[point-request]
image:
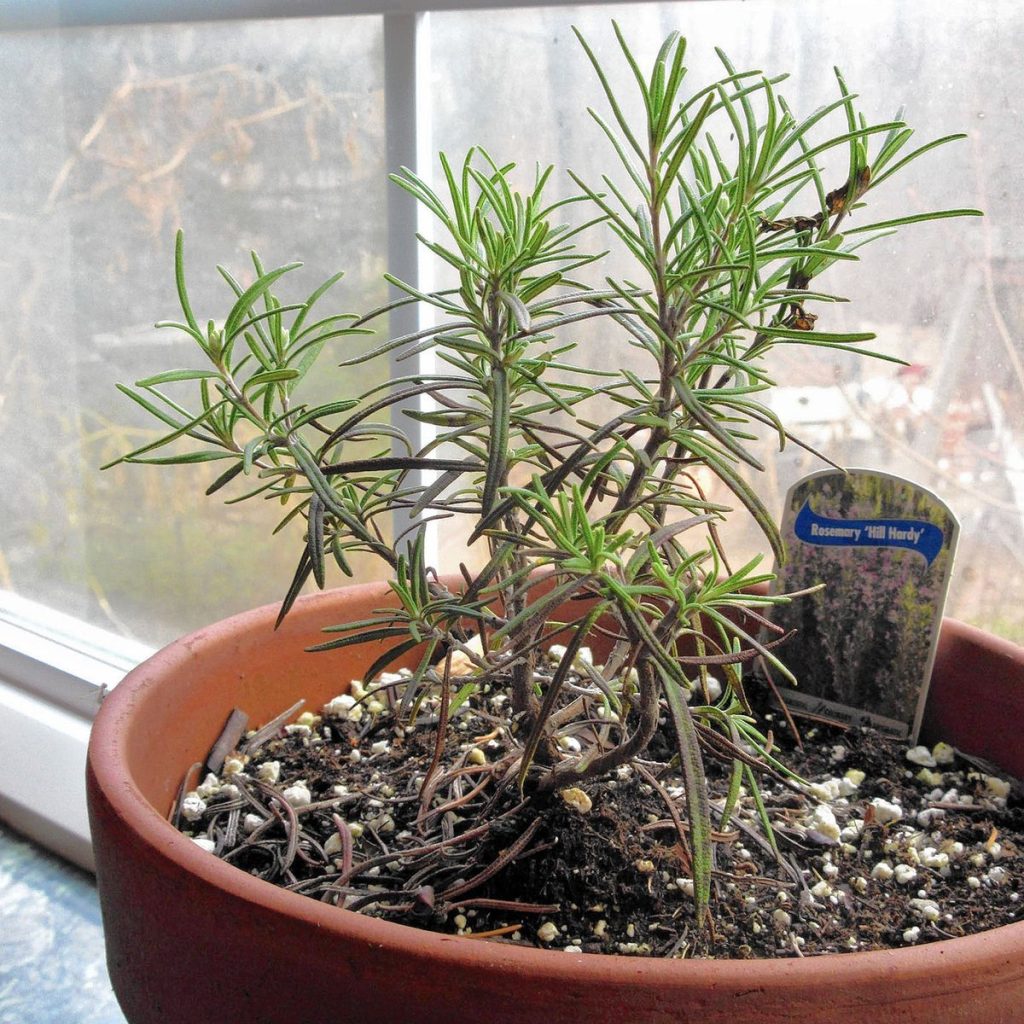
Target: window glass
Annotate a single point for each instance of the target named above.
(945, 296)
(264, 135)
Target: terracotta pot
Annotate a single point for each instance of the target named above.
(190, 938)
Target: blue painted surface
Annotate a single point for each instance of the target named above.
(52, 966)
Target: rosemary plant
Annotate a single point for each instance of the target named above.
(730, 241)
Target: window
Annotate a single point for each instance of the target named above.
(252, 135)
(127, 119)
(945, 296)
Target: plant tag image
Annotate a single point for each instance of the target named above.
(864, 644)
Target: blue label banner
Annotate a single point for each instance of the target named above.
(917, 535)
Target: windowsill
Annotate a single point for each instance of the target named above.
(53, 672)
(54, 959)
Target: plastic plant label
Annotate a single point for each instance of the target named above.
(883, 548)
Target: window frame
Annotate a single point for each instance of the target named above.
(54, 670)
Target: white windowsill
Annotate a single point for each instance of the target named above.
(53, 671)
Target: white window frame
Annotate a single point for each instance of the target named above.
(54, 668)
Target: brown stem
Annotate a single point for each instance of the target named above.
(440, 737)
(345, 835)
(459, 801)
(506, 857)
(510, 906)
(568, 772)
(684, 839)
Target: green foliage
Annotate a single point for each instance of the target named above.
(729, 240)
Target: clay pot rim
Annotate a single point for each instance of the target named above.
(106, 763)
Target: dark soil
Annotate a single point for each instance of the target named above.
(615, 878)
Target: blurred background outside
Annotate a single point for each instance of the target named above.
(270, 136)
